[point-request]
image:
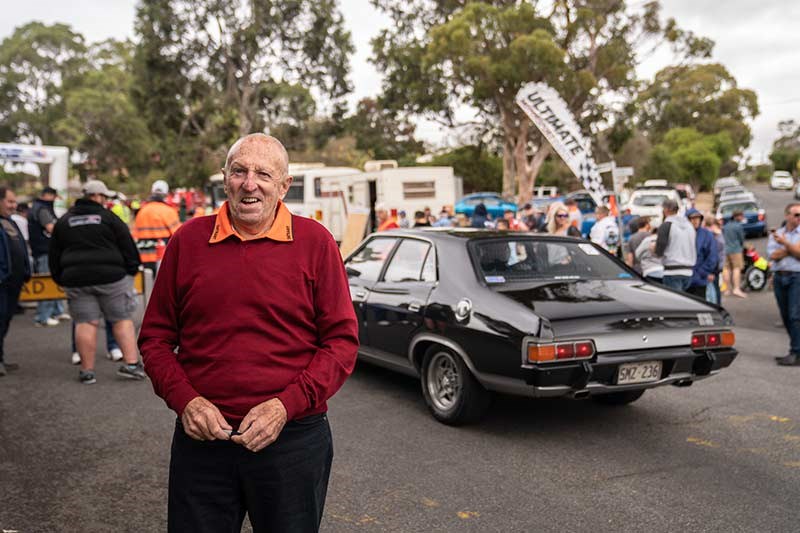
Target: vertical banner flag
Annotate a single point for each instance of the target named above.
(548, 111)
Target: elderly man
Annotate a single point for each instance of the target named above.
(784, 249)
(93, 256)
(249, 330)
(384, 220)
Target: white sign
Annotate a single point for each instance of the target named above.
(549, 112)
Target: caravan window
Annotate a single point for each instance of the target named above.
(317, 187)
(296, 191)
(419, 189)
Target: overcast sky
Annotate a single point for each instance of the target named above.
(757, 41)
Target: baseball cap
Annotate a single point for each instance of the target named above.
(97, 187)
(159, 187)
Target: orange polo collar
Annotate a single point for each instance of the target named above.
(281, 229)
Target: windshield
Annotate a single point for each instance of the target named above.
(504, 260)
(649, 200)
(746, 207)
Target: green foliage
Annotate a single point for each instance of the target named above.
(687, 156)
(786, 149)
(380, 133)
(704, 97)
(480, 169)
(36, 61)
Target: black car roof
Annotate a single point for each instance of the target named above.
(467, 234)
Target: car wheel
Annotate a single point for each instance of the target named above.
(756, 278)
(619, 398)
(452, 393)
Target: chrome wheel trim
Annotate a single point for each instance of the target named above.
(443, 381)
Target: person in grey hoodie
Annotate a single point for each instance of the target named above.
(675, 244)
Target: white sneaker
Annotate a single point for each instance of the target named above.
(63, 317)
(51, 322)
(115, 354)
(76, 358)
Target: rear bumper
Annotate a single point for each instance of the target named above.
(681, 367)
(754, 228)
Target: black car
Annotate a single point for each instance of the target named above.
(470, 312)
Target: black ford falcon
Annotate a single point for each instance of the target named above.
(471, 312)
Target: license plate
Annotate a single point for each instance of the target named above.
(639, 372)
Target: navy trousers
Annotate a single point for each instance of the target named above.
(787, 294)
(212, 484)
(9, 296)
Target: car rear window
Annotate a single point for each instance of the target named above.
(728, 209)
(504, 260)
(649, 200)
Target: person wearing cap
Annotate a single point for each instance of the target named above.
(93, 256)
(705, 267)
(41, 219)
(402, 220)
(385, 221)
(155, 223)
(249, 331)
(15, 269)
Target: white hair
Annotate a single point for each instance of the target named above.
(234, 149)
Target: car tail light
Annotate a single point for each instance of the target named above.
(713, 339)
(761, 215)
(560, 351)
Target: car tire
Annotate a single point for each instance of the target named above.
(756, 279)
(619, 398)
(451, 392)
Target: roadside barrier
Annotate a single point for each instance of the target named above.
(42, 287)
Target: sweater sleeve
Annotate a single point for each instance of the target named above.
(662, 240)
(338, 337)
(706, 254)
(158, 337)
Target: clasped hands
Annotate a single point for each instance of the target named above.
(259, 428)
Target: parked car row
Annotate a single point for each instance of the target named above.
(731, 196)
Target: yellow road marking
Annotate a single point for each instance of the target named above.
(427, 502)
(466, 515)
(702, 442)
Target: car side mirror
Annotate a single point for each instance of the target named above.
(352, 272)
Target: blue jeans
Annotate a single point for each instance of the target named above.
(111, 342)
(787, 294)
(9, 296)
(47, 308)
(678, 283)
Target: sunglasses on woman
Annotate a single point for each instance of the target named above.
(562, 215)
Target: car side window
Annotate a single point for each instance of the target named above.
(367, 263)
(429, 268)
(407, 262)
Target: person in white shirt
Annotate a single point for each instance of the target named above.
(605, 231)
(21, 219)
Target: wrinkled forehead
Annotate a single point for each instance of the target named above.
(259, 152)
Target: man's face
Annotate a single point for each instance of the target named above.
(8, 204)
(793, 218)
(696, 221)
(599, 215)
(255, 181)
(382, 215)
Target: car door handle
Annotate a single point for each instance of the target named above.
(414, 307)
(361, 294)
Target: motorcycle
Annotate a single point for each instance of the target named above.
(755, 273)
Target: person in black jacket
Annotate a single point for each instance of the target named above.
(41, 219)
(94, 257)
(15, 269)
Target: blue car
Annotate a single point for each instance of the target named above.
(755, 224)
(495, 205)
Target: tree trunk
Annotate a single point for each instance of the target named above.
(509, 174)
(527, 177)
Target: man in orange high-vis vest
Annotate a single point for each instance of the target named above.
(155, 223)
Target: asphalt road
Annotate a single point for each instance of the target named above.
(722, 455)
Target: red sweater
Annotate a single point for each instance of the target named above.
(252, 320)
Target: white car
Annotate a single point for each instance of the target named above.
(797, 191)
(781, 180)
(646, 202)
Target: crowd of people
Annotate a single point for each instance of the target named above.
(92, 252)
(693, 252)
